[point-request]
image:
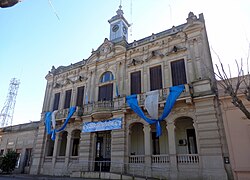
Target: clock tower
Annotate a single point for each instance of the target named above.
(118, 26)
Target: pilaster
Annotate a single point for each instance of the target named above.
(55, 150)
(210, 146)
(38, 151)
(118, 146)
(67, 153)
(86, 148)
(147, 144)
(172, 149)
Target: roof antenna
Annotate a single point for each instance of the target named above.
(131, 17)
(51, 5)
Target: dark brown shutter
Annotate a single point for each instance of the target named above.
(56, 101)
(178, 72)
(105, 92)
(155, 78)
(80, 95)
(67, 99)
(136, 82)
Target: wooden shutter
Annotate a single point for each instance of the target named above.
(105, 92)
(67, 99)
(80, 95)
(155, 78)
(178, 72)
(135, 82)
(56, 101)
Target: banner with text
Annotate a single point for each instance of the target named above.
(111, 124)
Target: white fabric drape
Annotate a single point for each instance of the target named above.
(53, 119)
(151, 103)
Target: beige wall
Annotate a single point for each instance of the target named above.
(237, 128)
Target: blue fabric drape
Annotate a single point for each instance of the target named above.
(175, 92)
(48, 123)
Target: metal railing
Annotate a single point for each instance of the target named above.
(136, 166)
(130, 169)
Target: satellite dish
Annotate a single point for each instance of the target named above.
(8, 3)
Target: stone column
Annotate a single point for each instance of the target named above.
(172, 150)
(68, 146)
(147, 144)
(55, 150)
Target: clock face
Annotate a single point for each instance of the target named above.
(115, 28)
(124, 30)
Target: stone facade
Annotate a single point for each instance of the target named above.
(20, 138)
(193, 141)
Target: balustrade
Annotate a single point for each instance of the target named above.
(187, 158)
(137, 159)
(161, 158)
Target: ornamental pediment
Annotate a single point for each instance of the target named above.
(106, 48)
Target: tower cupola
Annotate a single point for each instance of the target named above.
(118, 26)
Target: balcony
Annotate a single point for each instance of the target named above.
(163, 94)
(105, 109)
(63, 113)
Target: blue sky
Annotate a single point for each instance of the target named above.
(33, 39)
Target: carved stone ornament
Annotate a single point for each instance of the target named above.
(156, 53)
(175, 49)
(106, 48)
(134, 62)
(106, 66)
(191, 18)
(67, 81)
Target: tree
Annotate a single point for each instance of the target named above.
(237, 86)
(8, 161)
(8, 3)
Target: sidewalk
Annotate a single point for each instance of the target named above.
(37, 177)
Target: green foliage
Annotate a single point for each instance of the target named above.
(8, 161)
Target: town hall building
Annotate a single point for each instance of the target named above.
(88, 124)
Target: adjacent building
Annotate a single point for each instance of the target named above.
(237, 129)
(20, 138)
(104, 128)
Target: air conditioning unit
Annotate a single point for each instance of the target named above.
(182, 142)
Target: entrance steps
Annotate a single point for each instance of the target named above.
(108, 175)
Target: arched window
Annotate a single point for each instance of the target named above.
(106, 90)
(107, 76)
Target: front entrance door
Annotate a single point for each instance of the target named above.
(192, 147)
(103, 151)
